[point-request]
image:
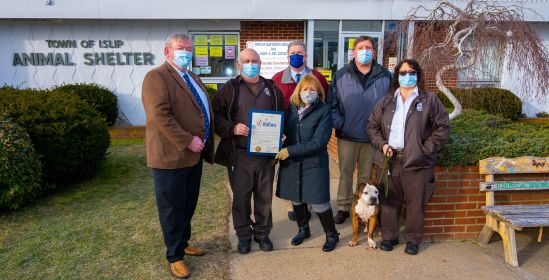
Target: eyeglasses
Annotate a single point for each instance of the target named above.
(410, 72)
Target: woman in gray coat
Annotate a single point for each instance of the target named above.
(304, 173)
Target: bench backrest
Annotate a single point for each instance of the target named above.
(520, 165)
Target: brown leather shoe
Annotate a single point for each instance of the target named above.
(193, 251)
(179, 269)
(341, 217)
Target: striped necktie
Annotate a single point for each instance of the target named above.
(297, 78)
(201, 105)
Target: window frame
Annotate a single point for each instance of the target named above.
(217, 79)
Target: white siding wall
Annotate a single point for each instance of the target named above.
(138, 36)
(530, 106)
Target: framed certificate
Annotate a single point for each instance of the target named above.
(265, 138)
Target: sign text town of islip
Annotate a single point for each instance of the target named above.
(90, 58)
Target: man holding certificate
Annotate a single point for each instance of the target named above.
(249, 118)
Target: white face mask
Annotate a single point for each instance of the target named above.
(308, 97)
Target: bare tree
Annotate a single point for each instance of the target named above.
(449, 38)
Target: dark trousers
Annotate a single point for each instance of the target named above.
(252, 176)
(416, 188)
(176, 196)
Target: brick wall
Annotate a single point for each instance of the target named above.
(271, 30)
(455, 212)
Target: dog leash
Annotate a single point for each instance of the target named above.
(385, 175)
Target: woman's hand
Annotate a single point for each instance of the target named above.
(387, 150)
(283, 154)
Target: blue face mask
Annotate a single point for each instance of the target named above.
(182, 58)
(250, 70)
(364, 56)
(296, 60)
(408, 80)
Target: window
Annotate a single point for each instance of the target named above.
(486, 72)
(325, 46)
(215, 54)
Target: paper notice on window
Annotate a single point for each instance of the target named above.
(201, 50)
(201, 60)
(392, 64)
(216, 40)
(231, 40)
(216, 51)
(350, 55)
(351, 43)
(201, 40)
(230, 52)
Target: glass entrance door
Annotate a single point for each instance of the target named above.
(346, 45)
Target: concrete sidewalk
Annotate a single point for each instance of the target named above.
(438, 260)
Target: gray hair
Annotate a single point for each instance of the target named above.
(178, 37)
(297, 43)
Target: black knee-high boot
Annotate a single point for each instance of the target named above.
(332, 236)
(302, 223)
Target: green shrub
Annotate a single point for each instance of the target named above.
(491, 100)
(70, 137)
(476, 135)
(20, 170)
(99, 97)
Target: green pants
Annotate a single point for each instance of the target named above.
(352, 154)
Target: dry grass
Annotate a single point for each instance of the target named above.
(107, 228)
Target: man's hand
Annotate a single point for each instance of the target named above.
(241, 129)
(196, 145)
(387, 150)
(283, 154)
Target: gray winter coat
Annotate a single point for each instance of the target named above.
(353, 103)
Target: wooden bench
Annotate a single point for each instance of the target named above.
(505, 219)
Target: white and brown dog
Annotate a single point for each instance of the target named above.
(364, 210)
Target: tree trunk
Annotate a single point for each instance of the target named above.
(447, 92)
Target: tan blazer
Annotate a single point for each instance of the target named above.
(173, 118)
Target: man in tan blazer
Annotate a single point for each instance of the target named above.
(178, 138)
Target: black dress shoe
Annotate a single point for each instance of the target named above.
(411, 249)
(291, 215)
(244, 246)
(265, 244)
(302, 234)
(387, 245)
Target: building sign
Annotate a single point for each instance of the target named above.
(392, 64)
(58, 57)
(273, 54)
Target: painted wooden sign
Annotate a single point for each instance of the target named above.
(514, 185)
(501, 165)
